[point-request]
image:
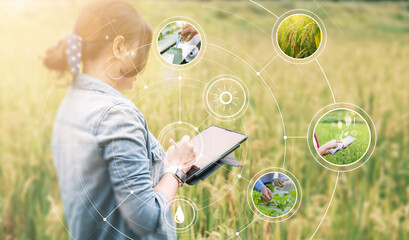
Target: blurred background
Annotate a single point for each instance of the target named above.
(366, 62)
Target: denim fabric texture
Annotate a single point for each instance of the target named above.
(108, 164)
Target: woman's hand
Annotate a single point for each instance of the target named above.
(182, 156)
(324, 149)
(267, 195)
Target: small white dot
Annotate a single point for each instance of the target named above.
(196, 129)
(180, 77)
(180, 122)
(73, 58)
(258, 73)
(237, 233)
(145, 87)
(285, 137)
(78, 54)
(74, 47)
(132, 192)
(239, 176)
(104, 219)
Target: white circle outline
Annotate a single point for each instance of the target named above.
(279, 218)
(229, 78)
(207, 97)
(278, 28)
(176, 22)
(160, 136)
(369, 143)
(296, 197)
(195, 214)
(374, 139)
(202, 38)
(317, 52)
(228, 94)
(163, 84)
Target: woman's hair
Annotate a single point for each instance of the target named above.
(98, 25)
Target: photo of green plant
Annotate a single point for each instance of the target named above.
(179, 42)
(338, 125)
(365, 60)
(283, 200)
(299, 36)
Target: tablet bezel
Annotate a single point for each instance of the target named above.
(227, 152)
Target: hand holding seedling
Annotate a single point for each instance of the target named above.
(324, 149)
(188, 32)
(181, 154)
(278, 184)
(267, 195)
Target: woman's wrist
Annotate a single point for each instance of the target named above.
(173, 178)
(177, 174)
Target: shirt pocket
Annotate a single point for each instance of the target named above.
(157, 152)
(158, 163)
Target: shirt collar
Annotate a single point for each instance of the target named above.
(85, 81)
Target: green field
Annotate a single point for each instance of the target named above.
(279, 205)
(365, 60)
(328, 129)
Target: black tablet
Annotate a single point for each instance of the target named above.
(212, 145)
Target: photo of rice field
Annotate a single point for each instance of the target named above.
(365, 60)
(299, 36)
(338, 125)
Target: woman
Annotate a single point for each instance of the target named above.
(116, 181)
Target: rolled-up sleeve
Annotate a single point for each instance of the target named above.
(258, 185)
(123, 139)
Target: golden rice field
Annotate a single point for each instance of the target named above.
(299, 36)
(366, 62)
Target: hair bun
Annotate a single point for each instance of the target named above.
(55, 57)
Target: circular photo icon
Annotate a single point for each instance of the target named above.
(184, 214)
(299, 36)
(179, 42)
(226, 97)
(274, 194)
(341, 137)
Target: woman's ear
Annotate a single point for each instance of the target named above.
(118, 47)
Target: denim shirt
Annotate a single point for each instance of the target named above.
(265, 179)
(108, 164)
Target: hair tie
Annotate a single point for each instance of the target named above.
(73, 52)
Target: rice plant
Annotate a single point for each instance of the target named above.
(299, 36)
(369, 203)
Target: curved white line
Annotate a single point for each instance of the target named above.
(264, 8)
(266, 86)
(243, 229)
(238, 16)
(329, 204)
(329, 85)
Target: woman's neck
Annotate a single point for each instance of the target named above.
(98, 71)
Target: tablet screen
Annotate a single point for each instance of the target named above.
(212, 143)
